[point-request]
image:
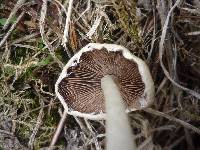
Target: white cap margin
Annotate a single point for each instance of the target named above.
(145, 101)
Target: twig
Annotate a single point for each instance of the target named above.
(87, 9)
(189, 140)
(154, 33)
(13, 12)
(161, 51)
(66, 28)
(39, 120)
(11, 29)
(25, 38)
(94, 27)
(46, 42)
(181, 122)
(193, 11)
(26, 46)
(35, 130)
(194, 33)
(80, 123)
(66, 31)
(175, 143)
(26, 113)
(97, 146)
(147, 144)
(58, 130)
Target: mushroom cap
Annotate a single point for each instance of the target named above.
(79, 85)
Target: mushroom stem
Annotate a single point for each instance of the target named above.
(118, 129)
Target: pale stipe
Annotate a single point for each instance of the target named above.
(118, 130)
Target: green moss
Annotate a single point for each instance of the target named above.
(45, 61)
(16, 34)
(23, 132)
(18, 55)
(28, 74)
(40, 44)
(52, 118)
(127, 19)
(8, 71)
(3, 21)
(191, 115)
(50, 122)
(62, 55)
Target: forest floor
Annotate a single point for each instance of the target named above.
(38, 37)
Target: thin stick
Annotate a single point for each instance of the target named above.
(94, 27)
(161, 52)
(58, 130)
(36, 128)
(181, 122)
(13, 12)
(11, 29)
(25, 38)
(66, 31)
(42, 32)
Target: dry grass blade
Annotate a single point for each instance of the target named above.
(25, 38)
(161, 52)
(42, 32)
(58, 129)
(35, 130)
(94, 27)
(11, 29)
(67, 23)
(181, 122)
(38, 37)
(14, 11)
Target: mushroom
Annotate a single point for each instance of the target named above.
(106, 79)
(79, 84)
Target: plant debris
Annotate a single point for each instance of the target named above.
(38, 37)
